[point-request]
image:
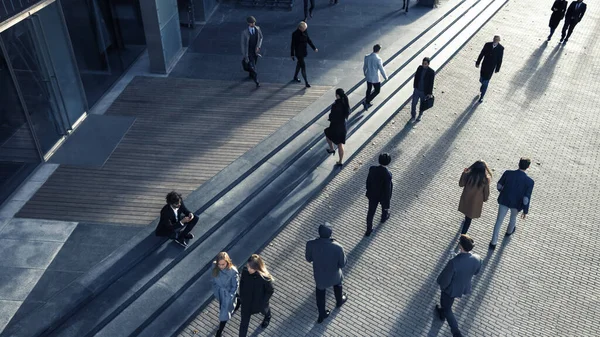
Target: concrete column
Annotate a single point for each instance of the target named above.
(163, 35)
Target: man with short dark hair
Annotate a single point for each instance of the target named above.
(574, 14)
(379, 190)
(491, 54)
(515, 189)
(422, 88)
(328, 258)
(251, 42)
(455, 280)
(372, 66)
(176, 221)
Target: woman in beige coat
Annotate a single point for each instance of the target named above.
(475, 181)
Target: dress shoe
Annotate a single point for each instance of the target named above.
(296, 79)
(368, 233)
(181, 241)
(344, 299)
(385, 217)
(266, 321)
(481, 100)
(565, 42)
(440, 312)
(561, 40)
(419, 118)
(257, 84)
(189, 236)
(492, 246)
(511, 233)
(366, 105)
(307, 85)
(322, 318)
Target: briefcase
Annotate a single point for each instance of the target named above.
(427, 103)
(245, 65)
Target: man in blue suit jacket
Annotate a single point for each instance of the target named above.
(515, 194)
(455, 280)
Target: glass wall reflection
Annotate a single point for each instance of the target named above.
(107, 36)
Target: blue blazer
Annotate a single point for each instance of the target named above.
(515, 190)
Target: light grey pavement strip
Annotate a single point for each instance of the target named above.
(541, 282)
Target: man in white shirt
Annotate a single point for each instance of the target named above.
(373, 65)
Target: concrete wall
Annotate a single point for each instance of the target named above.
(163, 35)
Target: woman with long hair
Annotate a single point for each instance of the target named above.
(336, 132)
(256, 289)
(475, 181)
(225, 285)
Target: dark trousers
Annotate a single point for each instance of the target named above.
(552, 29)
(185, 229)
(370, 96)
(385, 206)
(446, 303)
(466, 225)
(221, 328)
(484, 85)
(418, 96)
(337, 290)
(569, 25)
(405, 4)
(245, 320)
(306, 10)
(252, 61)
(300, 65)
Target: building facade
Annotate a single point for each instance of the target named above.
(57, 59)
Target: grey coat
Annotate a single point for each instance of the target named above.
(455, 279)
(246, 40)
(225, 287)
(328, 259)
(372, 67)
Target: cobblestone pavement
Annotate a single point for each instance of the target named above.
(544, 281)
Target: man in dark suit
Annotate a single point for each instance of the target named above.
(379, 190)
(308, 13)
(252, 38)
(423, 88)
(328, 258)
(300, 40)
(515, 189)
(176, 221)
(574, 15)
(455, 280)
(491, 54)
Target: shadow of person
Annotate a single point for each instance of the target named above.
(540, 80)
(523, 75)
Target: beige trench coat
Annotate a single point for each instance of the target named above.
(472, 198)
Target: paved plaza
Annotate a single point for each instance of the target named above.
(543, 281)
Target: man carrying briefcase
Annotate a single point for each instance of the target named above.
(423, 90)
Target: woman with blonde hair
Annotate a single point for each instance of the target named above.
(475, 181)
(256, 289)
(225, 285)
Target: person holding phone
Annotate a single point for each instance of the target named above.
(176, 221)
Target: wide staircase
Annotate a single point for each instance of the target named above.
(151, 287)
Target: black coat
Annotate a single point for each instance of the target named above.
(558, 12)
(379, 183)
(492, 59)
(167, 223)
(429, 79)
(299, 42)
(575, 15)
(255, 292)
(336, 132)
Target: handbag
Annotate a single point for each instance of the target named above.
(427, 103)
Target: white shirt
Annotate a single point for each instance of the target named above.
(251, 30)
(175, 211)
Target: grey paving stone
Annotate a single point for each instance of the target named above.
(17, 283)
(79, 257)
(50, 283)
(27, 254)
(10, 208)
(7, 310)
(38, 229)
(102, 234)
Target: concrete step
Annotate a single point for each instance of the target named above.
(147, 270)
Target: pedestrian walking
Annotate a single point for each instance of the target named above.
(300, 40)
(176, 221)
(225, 286)
(308, 13)
(379, 191)
(572, 18)
(328, 259)
(256, 289)
(372, 67)
(515, 189)
(405, 4)
(491, 54)
(475, 181)
(558, 13)
(252, 39)
(336, 132)
(455, 281)
(422, 88)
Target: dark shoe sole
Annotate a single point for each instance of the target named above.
(491, 247)
(440, 313)
(321, 319)
(189, 236)
(513, 232)
(368, 233)
(344, 299)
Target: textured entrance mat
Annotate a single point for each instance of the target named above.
(93, 141)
